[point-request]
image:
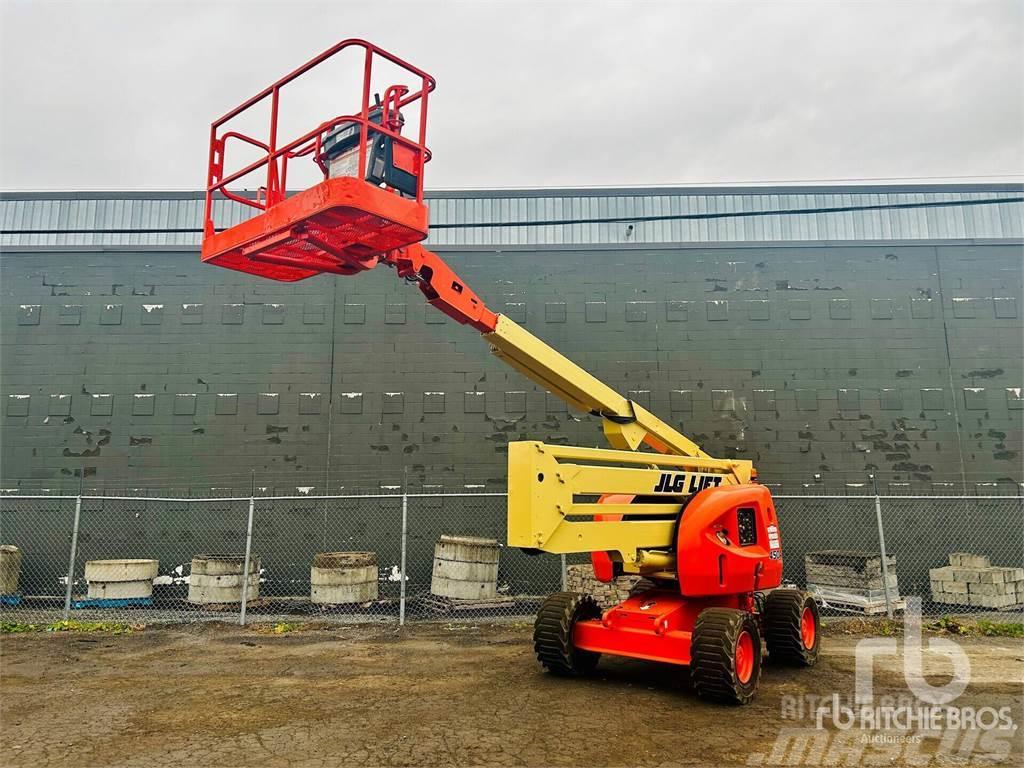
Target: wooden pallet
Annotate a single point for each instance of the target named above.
(254, 604)
(448, 605)
(873, 608)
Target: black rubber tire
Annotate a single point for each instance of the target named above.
(713, 655)
(783, 610)
(552, 634)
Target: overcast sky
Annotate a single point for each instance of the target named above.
(120, 95)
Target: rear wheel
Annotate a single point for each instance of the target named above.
(552, 634)
(725, 655)
(792, 627)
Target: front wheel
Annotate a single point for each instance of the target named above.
(552, 634)
(725, 655)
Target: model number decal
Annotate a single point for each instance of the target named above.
(676, 483)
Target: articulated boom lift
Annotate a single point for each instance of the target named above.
(702, 533)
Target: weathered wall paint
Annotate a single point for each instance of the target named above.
(822, 363)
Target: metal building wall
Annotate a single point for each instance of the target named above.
(823, 362)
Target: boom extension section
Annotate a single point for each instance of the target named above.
(627, 425)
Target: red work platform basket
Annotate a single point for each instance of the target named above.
(371, 199)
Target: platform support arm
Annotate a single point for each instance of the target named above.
(444, 289)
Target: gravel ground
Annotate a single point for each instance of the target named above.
(218, 695)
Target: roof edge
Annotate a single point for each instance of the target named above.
(821, 189)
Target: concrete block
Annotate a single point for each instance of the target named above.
(945, 573)
(465, 568)
(120, 590)
(992, 576)
(847, 578)
(866, 563)
(121, 570)
(975, 561)
(968, 560)
(10, 569)
(218, 579)
(967, 575)
(954, 587)
(344, 577)
(993, 601)
(580, 578)
(1012, 574)
(221, 589)
(948, 599)
(990, 589)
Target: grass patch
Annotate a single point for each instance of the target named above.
(868, 625)
(111, 627)
(16, 627)
(280, 628)
(961, 626)
(981, 628)
(1001, 628)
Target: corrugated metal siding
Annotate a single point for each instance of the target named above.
(142, 211)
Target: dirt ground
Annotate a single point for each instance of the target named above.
(431, 695)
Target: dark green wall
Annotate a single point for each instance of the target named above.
(150, 370)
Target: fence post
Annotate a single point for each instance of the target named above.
(885, 559)
(245, 567)
(565, 574)
(72, 556)
(401, 571)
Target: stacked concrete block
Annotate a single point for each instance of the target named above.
(218, 579)
(580, 578)
(972, 580)
(339, 578)
(121, 579)
(853, 580)
(465, 568)
(10, 568)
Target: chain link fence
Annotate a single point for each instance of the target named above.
(412, 557)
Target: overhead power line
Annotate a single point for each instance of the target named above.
(583, 220)
(730, 214)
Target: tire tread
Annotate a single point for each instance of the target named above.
(782, 613)
(552, 634)
(712, 655)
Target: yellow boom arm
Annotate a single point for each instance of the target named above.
(553, 490)
(626, 424)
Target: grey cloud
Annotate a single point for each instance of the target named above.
(120, 95)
